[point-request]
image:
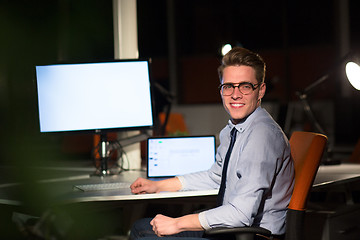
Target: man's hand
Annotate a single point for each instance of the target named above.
(163, 225)
(142, 185)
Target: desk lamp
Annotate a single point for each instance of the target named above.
(353, 74)
(352, 70)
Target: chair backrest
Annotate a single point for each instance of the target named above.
(307, 149)
(355, 155)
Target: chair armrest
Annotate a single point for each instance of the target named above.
(239, 230)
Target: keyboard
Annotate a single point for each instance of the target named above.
(102, 186)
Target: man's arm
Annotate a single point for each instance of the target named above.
(142, 185)
(163, 225)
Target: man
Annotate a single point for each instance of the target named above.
(259, 173)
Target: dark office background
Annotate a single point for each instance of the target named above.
(299, 40)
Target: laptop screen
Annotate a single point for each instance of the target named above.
(173, 156)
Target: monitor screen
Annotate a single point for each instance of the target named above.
(94, 96)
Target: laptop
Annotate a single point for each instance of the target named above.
(177, 155)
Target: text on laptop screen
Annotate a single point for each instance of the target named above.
(172, 156)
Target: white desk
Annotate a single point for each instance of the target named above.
(326, 177)
(336, 174)
(71, 196)
(61, 188)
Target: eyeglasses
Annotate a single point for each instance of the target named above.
(245, 88)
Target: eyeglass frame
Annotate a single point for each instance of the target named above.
(254, 87)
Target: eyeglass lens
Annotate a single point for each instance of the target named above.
(245, 88)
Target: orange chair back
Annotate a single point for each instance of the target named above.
(307, 149)
(355, 155)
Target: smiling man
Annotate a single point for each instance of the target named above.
(253, 170)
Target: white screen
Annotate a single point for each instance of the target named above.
(174, 156)
(92, 96)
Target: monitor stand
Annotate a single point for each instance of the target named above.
(104, 157)
(104, 150)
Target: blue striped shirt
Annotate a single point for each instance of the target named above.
(260, 176)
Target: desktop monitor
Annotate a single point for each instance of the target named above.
(94, 97)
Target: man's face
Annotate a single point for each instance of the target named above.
(238, 105)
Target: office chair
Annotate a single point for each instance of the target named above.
(355, 155)
(173, 124)
(307, 149)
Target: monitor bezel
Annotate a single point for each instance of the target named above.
(98, 130)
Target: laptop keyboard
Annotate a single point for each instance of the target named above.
(102, 186)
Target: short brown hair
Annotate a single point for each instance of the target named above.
(239, 56)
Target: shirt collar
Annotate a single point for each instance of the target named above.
(242, 126)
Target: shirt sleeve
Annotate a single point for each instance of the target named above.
(201, 180)
(211, 178)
